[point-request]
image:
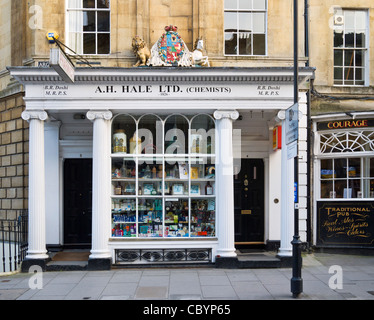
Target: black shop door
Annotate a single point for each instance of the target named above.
(249, 202)
(77, 202)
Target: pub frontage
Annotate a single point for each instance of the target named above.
(344, 175)
(159, 164)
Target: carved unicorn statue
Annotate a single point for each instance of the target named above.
(197, 55)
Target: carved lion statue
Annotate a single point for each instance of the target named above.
(141, 51)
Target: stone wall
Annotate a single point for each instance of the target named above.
(13, 156)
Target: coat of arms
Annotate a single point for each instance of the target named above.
(170, 50)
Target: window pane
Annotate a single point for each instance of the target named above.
(88, 3)
(230, 4)
(340, 186)
(348, 75)
(327, 189)
(338, 58)
(259, 22)
(338, 74)
(230, 43)
(75, 42)
(245, 4)
(372, 167)
(326, 169)
(259, 47)
(349, 20)
(361, 19)
(360, 39)
(259, 4)
(89, 43)
(74, 4)
(359, 58)
(360, 76)
(89, 21)
(103, 4)
(340, 167)
(354, 188)
(231, 21)
(245, 44)
(75, 21)
(354, 167)
(103, 21)
(103, 43)
(349, 39)
(245, 22)
(348, 58)
(338, 39)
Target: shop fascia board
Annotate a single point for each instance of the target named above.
(35, 75)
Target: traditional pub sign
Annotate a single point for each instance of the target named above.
(345, 223)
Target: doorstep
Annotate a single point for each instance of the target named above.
(254, 260)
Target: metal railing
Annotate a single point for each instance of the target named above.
(13, 241)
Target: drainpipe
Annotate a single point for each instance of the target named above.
(309, 124)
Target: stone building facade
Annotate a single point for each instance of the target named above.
(259, 38)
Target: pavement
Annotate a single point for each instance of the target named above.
(326, 276)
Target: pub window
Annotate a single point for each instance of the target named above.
(347, 165)
(245, 24)
(350, 47)
(88, 24)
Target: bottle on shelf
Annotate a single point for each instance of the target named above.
(208, 189)
(118, 189)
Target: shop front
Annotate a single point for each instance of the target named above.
(158, 165)
(344, 172)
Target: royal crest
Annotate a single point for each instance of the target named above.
(170, 50)
(170, 46)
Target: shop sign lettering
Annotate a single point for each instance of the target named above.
(345, 223)
(345, 124)
(164, 89)
(56, 90)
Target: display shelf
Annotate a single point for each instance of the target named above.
(202, 217)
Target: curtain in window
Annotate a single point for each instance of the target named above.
(76, 23)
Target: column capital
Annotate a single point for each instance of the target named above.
(226, 114)
(34, 114)
(99, 114)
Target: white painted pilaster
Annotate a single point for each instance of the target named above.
(100, 183)
(287, 209)
(37, 224)
(225, 183)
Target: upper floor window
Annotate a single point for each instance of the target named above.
(350, 47)
(245, 27)
(88, 26)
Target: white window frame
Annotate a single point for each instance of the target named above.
(364, 156)
(366, 67)
(249, 11)
(67, 29)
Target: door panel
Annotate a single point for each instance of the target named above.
(77, 201)
(249, 201)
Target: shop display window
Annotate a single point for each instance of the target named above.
(347, 178)
(161, 186)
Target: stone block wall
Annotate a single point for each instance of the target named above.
(13, 157)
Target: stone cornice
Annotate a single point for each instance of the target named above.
(34, 75)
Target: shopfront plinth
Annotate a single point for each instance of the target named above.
(37, 253)
(100, 258)
(226, 255)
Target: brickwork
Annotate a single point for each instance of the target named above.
(13, 156)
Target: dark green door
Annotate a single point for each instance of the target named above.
(249, 202)
(77, 201)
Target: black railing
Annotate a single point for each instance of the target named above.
(13, 241)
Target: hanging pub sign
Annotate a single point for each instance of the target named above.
(345, 223)
(345, 124)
